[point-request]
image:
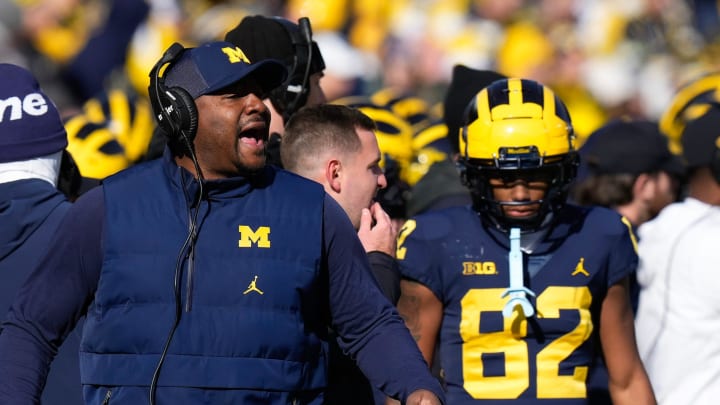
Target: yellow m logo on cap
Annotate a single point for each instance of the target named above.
(235, 55)
(248, 237)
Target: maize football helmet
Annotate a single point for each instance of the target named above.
(691, 101)
(517, 129)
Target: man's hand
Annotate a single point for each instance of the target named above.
(422, 397)
(378, 237)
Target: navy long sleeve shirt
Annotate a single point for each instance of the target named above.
(62, 287)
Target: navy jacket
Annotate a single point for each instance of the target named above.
(343, 295)
(30, 214)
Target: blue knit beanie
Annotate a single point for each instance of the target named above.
(30, 125)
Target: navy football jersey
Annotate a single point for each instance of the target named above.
(491, 359)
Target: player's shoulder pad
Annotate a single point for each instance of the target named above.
(601, 220)
(439, 224)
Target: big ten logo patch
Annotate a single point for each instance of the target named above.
(481, 268)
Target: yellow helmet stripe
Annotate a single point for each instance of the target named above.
(515, 93)
(549, 104)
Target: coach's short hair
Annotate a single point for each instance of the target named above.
(314, 130)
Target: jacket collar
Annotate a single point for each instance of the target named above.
(213, 190)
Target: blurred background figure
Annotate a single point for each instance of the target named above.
(111, 132)
(32, 150)
(677, 318)
(606, 59)
(346, 69)
(627, 165)
(691, 101)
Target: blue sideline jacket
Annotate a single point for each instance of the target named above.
(261, 338)
(30, 214)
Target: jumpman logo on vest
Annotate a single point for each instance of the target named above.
(253, 287)
(580, 269)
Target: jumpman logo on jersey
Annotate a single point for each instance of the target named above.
(253, 287)
(580, 269)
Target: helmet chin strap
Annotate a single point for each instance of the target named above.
(504, 222)
(517, 291)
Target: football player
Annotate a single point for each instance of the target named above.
(521, 290)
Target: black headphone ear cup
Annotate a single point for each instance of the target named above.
(184, 113)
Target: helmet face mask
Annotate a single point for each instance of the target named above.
(517, 130)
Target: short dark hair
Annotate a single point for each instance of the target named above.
(316, 129)
(606, 190)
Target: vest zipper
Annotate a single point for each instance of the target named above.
(191, 254)
(190, 268)
(106, 401)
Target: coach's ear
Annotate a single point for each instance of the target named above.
(333, 174)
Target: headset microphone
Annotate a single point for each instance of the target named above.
(306, 31)
(302, 89)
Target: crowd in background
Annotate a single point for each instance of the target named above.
(604, 58)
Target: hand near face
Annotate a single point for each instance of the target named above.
(377, 232)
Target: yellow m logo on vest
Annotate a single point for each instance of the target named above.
(235, 55)
(248, 237)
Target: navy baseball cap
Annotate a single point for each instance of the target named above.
(30, 125)
(215, 65)
(631, 147)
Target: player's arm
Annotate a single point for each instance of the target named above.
(628, 381)
(369, 328)
(422, 312)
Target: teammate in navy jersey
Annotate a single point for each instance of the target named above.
(521, 290)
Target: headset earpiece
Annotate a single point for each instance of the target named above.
(174, 108)
(184, 112)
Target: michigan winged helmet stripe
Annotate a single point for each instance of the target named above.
(515, 113)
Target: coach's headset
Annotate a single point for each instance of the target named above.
(174, 108)
(293, 94)
(177, 117)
